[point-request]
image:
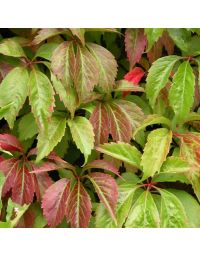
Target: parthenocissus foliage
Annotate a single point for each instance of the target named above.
(100, 127)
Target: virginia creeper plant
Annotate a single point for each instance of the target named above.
(100, 128)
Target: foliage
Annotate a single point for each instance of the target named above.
(100, 128)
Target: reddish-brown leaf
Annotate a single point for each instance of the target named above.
(107, 190)
(10, 143)
(135, 42)
(46, 33)
(53, 202)
(42, 183)
(102, 164)
(23, 187)
(9, 168)
(99, 120)
(78, 207)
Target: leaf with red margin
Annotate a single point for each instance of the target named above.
(53, 202)
(190, 147)
(107, 190)
(118, 118)
(23, 187)
(135, 43)
(78, 207)
(99, 120)
(102, 164)
(86, 72)
(10, 143)
(46, 33)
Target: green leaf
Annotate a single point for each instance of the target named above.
(180, 36)
(41, 98)
(158, 76)
(46, 50)
(56, 130)
(11, 48)
(103, 218)
(122, 151)
(191, 206)
(182, 91)
(153, 34)
(2, 179)
(13, 93)
(170, 177)
(172, 213)
(175, 165)
(144, 213)
(82, 134)
(152, 120)
(107, 66)
(155, 151)
(27, 127)
(67, 94)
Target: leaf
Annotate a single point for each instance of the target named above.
(158, 76)
(191, 207)
(10, 143)
(180, 36)
(125, 201)
(56, 130)
(79, 33)
(86, 72)
(14, 89)
(53, 202)
(144, 213)
(67, 95)
(175, 165)
(27, 127)
(46, 33)
(41, 98)
(152, 120)
(10, 47)
(135, 42)
(23, 187)
(170, 177)
(172, 213)
(102, 218)
(46, 50)
(62, 63)
(2, 180)
(155, 151)
(106, 189)
(182, 91)
(153, 34)
(78, 207)
(107, 66)
(102, 164)
(122, 151)
(82, 134)
(99, 120)
(124, 85)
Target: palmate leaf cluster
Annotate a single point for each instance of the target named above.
(100, 128)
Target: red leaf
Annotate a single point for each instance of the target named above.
(78, 207)
(9, 168)
(107, 190)
(102, 164)
(42, 183)
(53, 202)
(99, 120)
(2, 158)
(23, 187)
(134, 76)
(10, 143)
(135, 42)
